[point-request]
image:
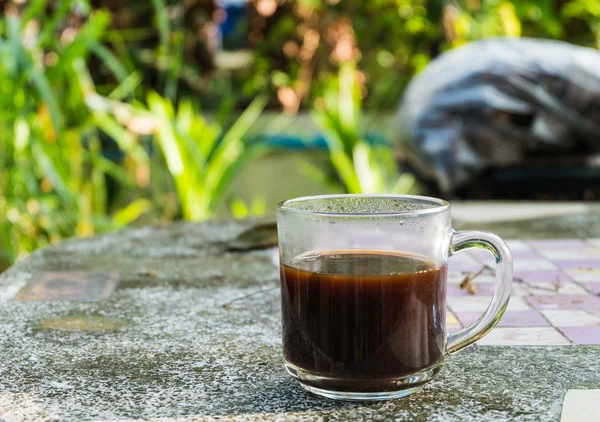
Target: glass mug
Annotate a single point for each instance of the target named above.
(363, 292)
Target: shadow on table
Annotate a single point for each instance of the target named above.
(277, 396)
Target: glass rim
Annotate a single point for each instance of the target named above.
(439, 205)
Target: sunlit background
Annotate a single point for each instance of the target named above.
(117, 113)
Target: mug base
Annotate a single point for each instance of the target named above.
(341, 388)
(353, 396)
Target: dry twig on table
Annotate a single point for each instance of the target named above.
(467, 283)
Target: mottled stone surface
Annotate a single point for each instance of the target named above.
(193, 329)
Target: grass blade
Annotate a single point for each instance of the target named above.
(34, 10)
(162, 23)
(111, 62)
(127, 87)
(48, 168)
(132, 211)
(43, 87)
(231, 147)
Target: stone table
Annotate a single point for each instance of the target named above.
(164, 322)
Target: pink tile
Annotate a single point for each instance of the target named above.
(570, 254)
(582, 335)
(524, 336)
(480, 290)
(593, 288)
(463, 267)
(451, 320)
(452, 330)
(584, 275)
(565, 288)
(509, 319)
(549, 276)
(533, 265)
(581, 264)
(564, 302)
(525, 254)
(517, 245)
(558, 244)
(572, 317)
(482, 255)
(481, 303)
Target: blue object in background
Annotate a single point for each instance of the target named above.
(317, 141)
(233, 30)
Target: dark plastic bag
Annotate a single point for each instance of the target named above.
(498, 102)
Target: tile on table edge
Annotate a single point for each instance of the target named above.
(580, 264)
(544, 276)
(570, 254)
(481, 303)
(576, 406)
(524, 336)
(481, 256)
(452, 320)
(454, 290)
(526, 254)
(530, 318)
(582, 335)
(457, 278)
(558, 243)
(594, 241)
(531, 265)
(593, 288)
(572, 317)
(566, 288)
(583, 275)
(520, 289)
(517, 245)
(454, 329)
(463, 268)
(563, 302)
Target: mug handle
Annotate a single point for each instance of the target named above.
(463, 240)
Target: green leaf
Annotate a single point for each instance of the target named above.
(111, 62)
(238, 208)
(362, 165)
(231, 147)
(345, 169)
(49, 169)
(162, 23)
(132, 211)
(113, 170)
(126, 141)
(126, 87)
(175, 65)
(227, 174)
(34, 10)
(43, 87)
(51, 25)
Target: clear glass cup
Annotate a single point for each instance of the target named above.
(363, 281)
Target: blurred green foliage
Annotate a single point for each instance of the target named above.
(53, 174)
(100, 119)
(201, 157)
(362, 167)
(299, 44)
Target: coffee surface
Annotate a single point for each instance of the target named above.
(363, 314)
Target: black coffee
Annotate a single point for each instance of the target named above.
(368, 315)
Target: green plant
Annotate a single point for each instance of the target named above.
(575, 21)
(201, 157)
(53, 173)
(362, 167)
